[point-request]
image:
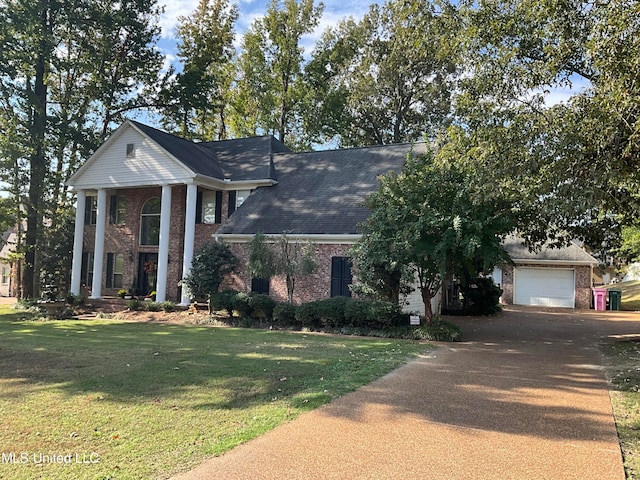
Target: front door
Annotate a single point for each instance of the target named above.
(147, 273)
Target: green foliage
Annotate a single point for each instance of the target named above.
(284, 314)
(208, 269)
(630, 245)
(331, 312)
(307, 315)
(78, 300)
(270, 87)
(68, 73)
(262, 306)
(282, 257)
(262, 261)
(429, 220)
(134, 304)
(241, 305)
(198, 100)
(482, 297)
(223, 301)
(167, 306)
(572, 167)
(384, 79)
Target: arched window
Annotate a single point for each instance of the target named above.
(150, 222)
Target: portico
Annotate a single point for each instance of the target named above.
(146, 200)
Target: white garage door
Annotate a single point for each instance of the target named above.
(549, 287)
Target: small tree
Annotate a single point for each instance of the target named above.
(208, 269)
(428, 221)
(286, 258)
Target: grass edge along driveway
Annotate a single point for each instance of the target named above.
(119, 400)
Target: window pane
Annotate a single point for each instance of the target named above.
(209, 206)
(150, 230)
(152, 206)
(150, 222)
(122, 210)
(241, 197)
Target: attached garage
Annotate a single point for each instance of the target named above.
(549, 277)
(546, 287)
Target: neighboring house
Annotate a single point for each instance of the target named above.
(551, 277)
(7, 267)
(147, 200)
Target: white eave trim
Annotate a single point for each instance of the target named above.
(327, 239)
(232, 185)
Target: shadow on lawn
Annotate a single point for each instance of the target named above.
(129, 362)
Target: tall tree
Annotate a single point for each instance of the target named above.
(385, 79)
(198, 101)
(269, 88)
(576, 161)
(68, 71)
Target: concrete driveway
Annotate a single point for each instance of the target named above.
(523, 397)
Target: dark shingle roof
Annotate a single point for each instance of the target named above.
(520, 253)
(238, 159)
(318, 192)
(191, 154)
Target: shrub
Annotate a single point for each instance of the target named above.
(384, 314)
(223, 301)
(79, 300)
(482, 296)
(307, 315)
(168, 306)
(439, 331)
(284, 314)
(241, 305)
(134, 304)
(262, 306)
(357, 313)
(330, 312)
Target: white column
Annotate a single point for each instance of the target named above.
(76, 265)
(163, 249)
(189, 236)
(98, 249)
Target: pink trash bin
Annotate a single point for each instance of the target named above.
(600, 299)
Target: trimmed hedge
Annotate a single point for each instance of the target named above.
(343, 315)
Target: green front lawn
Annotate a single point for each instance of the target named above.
(622, 360)
(630, 294)
(108, 399)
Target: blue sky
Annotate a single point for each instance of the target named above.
(334, 11)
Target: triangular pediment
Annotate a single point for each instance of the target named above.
(129, 158)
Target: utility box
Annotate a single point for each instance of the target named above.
(615, 298)
(600, 299)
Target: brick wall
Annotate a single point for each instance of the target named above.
(309, 288)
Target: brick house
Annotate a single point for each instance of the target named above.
(147, 201)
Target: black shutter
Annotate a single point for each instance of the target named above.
(113, 209)
(219, 206)
(199, 208)
(84, 267)
(341, 276)
(110, 261)
(232, 201)
(260, 285)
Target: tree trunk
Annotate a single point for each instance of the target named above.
(426, 298)
(37, 161)
(291, 281)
